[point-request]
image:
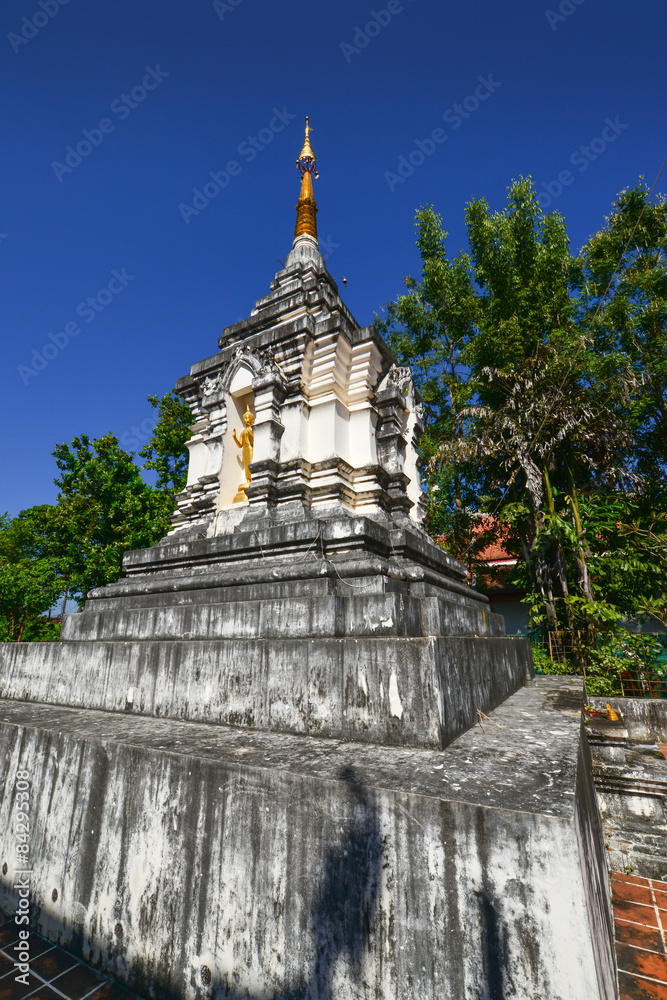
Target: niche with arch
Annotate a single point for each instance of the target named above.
(238, 396)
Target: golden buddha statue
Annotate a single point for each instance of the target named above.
(245, 442)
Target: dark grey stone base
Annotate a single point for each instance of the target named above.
(344, 628)
(354, 555)
(194, 860)
(178, 616)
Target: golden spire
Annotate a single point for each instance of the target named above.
(306, 209)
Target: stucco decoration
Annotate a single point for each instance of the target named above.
(336, 420)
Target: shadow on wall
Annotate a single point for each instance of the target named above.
(345, 904)
(343, 913)
(494, 962)
(347, 901)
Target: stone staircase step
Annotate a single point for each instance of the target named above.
(405, 691)
(294, 617)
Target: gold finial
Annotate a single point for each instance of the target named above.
(306, 161)
(306, 209)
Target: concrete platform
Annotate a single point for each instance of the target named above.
(195, 860)
(413, 692)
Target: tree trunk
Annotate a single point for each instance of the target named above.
(25, 618)
(580, 559)
(543, 578)
(560, 563)
(580, 554)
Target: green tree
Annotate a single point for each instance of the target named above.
(537, 422)
(430, 329)
(532, 407)
(30, 581)
(103, 510)
(166, 453)
(625, 304)
(105, 507)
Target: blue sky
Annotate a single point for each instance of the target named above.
(171, 92)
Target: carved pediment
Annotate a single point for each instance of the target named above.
(256, 362)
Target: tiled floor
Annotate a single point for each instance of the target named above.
(54, 975)
(640, 915)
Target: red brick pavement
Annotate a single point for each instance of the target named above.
(640, 915)
(54, 974)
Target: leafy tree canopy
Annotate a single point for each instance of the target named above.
(624, 297)
(544, 382)
(166, 453)
(104, 509)
(30, 581)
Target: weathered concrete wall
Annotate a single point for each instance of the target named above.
(590, 838)
(192, 860)
(644, 718)
(630, 774)
(418, 691)
(294, 617)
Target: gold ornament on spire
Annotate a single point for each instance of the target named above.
(307, 160)
(306, 209)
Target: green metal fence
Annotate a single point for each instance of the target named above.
(644, 678)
